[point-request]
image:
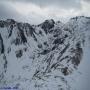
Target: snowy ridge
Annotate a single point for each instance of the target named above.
(44, 56)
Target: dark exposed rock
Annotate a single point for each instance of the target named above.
(45, 52)
(45, 43)
(47, 25)
(40, 32)
(65, 71)
(56, 35)
(10, 30)
(16, 41)
(53, 48)
(9, 50)
(63, 51)
(5, 63)
(10, 21)
(29, 30)
(2, 24)
(22, 36)
(1, 45)
(58, 41)
(39, 45)
(25, 49)
(19, 53)
(48, 60)
(65, 36)
(77, 17)
(78, 55)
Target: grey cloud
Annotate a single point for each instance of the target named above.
(59, 3)
(86, 0)
(8, 12)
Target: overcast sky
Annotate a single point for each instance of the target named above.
(36, 11)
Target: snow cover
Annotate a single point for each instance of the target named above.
(48, 56)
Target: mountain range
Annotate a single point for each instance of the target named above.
(44, 56)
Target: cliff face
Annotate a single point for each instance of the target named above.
(42, 57)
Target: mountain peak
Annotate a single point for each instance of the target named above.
(47, 24)
(79, 17)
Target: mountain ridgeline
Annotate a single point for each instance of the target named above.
(34, 56)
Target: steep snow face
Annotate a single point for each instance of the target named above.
(43, 57)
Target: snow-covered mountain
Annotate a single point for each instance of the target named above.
(44, 56)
